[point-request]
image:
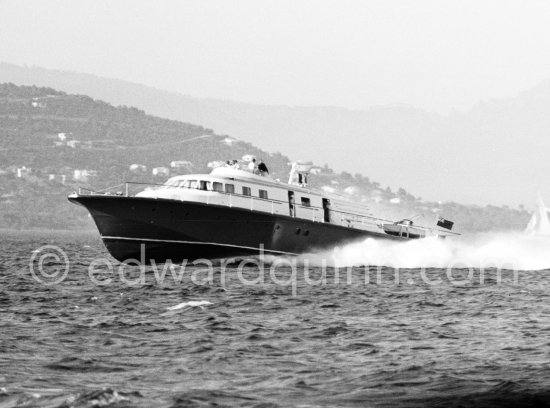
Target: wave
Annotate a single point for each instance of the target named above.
(192, 303)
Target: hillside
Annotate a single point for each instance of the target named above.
(51, 142)
(494, 154)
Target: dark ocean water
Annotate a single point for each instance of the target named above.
(266, 344)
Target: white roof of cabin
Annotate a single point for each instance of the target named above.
(246, 176)
(229, 173)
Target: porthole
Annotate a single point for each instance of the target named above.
(306, 233)
(298, 230)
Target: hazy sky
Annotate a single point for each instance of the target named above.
(436, 55)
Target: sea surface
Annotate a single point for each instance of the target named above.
(290, 336)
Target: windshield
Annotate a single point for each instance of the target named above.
(171, 183)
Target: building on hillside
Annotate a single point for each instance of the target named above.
(84, 174)
(395, 200)
(73, 143)
(161, 171)
(228, 141)
(57, 178)
(138, 168)
(62, 137)
(21, 172)
(216, 163)
(179, 166)
(351, 190)
(37, 103)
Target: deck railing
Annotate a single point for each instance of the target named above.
(274, 206)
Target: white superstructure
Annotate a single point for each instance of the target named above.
(232, 187)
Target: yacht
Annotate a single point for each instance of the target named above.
(233, 213)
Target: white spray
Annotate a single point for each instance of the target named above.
(499, 250)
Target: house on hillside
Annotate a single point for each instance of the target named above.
(351, 190)
(84, 174)
(57, 178)
(21, 172)
(161, 171)
(228, 141)
(138, 168)
(180, 166)
(73, 143)
(37, 103)
(216, 163)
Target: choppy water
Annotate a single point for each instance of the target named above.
(460, 342)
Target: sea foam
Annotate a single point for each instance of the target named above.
(192, 303)
(490, 250)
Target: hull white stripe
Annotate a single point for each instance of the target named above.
(172, 241)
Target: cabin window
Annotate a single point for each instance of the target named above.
(217, 186)
(204, 185)
(247, 191)
(263, 194)
(189, 184)
(306, 202)
(230, 189)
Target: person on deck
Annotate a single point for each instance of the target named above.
(252, 166)
(262, 168)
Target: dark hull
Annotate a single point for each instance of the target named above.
(175, 230)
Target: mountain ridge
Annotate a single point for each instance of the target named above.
(437, 156)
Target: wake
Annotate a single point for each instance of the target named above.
(514, 251)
